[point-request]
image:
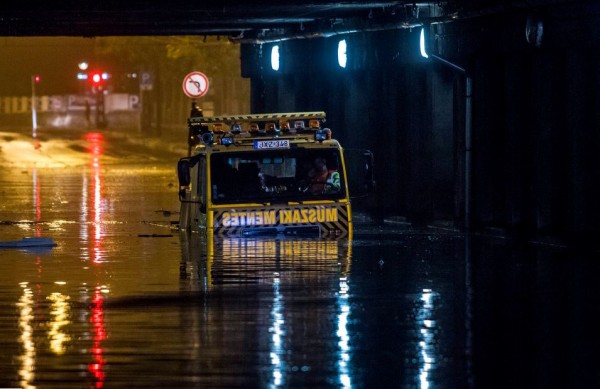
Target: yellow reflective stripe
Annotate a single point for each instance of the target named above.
(259, 117)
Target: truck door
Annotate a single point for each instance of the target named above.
(191, 172)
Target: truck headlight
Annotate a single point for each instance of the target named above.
(208, 138)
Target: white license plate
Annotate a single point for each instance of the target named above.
(272, 144)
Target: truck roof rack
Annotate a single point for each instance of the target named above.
(261, 117)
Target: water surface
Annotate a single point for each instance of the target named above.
(126, 300)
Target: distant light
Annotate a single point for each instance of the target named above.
(422, 44)
(342, 57)
(96, 77)
(82, 76)
(83, 65)
(105, 76)
(37, 78)
(275, 58)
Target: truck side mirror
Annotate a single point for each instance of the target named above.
(183, 175)
(183, 172)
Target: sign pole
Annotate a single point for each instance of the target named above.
(33, 109)
(195, 85)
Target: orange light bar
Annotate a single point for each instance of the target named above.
(284, 125)
(254, 128)
(271, 128)
(218, 128)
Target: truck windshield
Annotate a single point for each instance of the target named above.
(275, 176)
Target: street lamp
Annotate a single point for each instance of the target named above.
(342, 53)
(275, 57)
(35, 79)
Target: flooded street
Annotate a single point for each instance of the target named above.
(126, 300)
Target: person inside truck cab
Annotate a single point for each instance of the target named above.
(322, 179)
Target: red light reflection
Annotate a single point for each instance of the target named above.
(96, 149)
(99, 329)
(37, 203)
(97, 215)
(96, 143)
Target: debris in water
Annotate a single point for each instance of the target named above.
(28, 242)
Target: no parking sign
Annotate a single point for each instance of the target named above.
(195, 85)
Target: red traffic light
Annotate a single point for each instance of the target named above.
(37, 78)
(98, 78)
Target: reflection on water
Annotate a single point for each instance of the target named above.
(96, 367)
(27, 358)
(278, 349)
(94, 239)
(52, 330)
(231, 260)
(37, 202)
(342, 333)
(297, 272)
(59, 318)
(427, 344)
(108, 307)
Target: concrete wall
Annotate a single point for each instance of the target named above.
(122, 111)
(536, 135)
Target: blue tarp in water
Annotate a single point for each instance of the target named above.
(28, 242)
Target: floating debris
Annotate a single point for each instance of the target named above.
(28, 242)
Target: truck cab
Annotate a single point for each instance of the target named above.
(264, 175)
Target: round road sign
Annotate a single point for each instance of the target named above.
(195, 84)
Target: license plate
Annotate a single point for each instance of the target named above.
(272, 144)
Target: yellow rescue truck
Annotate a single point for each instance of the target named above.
(264, 175)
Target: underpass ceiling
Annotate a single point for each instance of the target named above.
(255, 21)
